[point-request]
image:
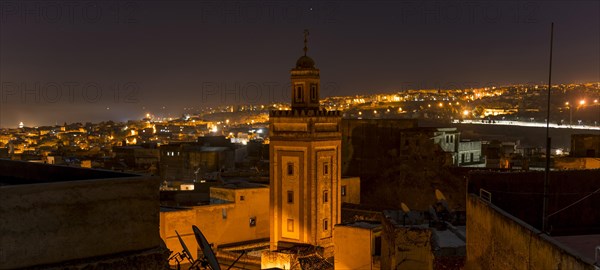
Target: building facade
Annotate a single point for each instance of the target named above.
(305, 154)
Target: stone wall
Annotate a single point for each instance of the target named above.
(57, 222)
(521, 195)
(406, 247)
(497, 240)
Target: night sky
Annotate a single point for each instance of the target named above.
(112, 60)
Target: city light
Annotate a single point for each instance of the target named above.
(466, 112)
(582, 102)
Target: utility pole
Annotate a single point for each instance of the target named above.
(548, 142)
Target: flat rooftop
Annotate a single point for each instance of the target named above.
(585, 245)
(13, 172)
(451, 239)
(362, 224)
(240, 184)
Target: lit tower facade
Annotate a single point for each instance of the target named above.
(305, 152)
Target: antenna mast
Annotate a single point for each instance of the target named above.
(548, 142)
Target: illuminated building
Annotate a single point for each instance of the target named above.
(305, 154)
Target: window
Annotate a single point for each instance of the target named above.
(290, 196)
(451, 139)
(343, 190)
(299, 94)
(462, 158)
(224, 213)
(242, 198)
(377, 246)
(325, 196)
(325, 224)
(472, 158)
(290, 225)
(290, 168)
(447, 139)
(325, 168)
(313, 92)
(252, 221)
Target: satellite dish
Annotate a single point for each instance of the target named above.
(405, 208)
(206, 249)
(439, 195)
(186, 251)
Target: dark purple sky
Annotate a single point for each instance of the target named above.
(117, 60)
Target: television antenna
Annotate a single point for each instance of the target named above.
(183, 255)
(210, 260)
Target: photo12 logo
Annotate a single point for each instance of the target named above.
(68, 92)
(68, 12)
(255, 92)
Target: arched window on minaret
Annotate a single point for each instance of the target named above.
(299, 94)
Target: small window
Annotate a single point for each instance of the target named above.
(472, 158)
(252, 221)
(325, 196)
(325, 168)
(299, 94)
(451, 139)
(290, 196)
(377, 246)
(290, 168)
(325, 224)
(242, 198)
(447, 139)
(290, 225)
(224, 213)
(343, 191)
(313, 92)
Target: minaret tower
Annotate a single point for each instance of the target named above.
(305, 152)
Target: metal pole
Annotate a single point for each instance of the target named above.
(548, 142)
(570, 117)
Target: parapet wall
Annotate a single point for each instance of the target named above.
(305, 125)
(497, 240)
(58, 222)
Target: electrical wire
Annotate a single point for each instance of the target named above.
(576, 202)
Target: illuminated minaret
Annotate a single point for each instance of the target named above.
(305, 149)
(305, 81)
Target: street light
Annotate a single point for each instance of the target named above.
(570, 114)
